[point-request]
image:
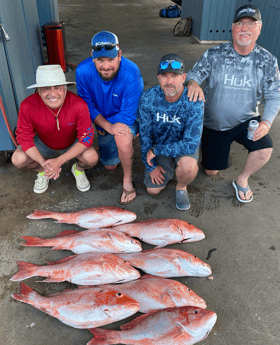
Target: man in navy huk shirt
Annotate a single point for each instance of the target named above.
(111, 85)
(170, 128)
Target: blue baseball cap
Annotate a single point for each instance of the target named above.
(105, 44)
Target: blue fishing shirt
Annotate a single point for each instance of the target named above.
(116, 100)
(173, 129)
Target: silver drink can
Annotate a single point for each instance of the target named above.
(253, 125)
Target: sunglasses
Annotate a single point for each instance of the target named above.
(174, 64)
(107, 46)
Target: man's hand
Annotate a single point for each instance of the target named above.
(119, 129)
(149, 157)
(52, 168)
(261, 131)
(195, 91)
(157, 176)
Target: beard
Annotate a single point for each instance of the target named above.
(171, 94)
(113, 75)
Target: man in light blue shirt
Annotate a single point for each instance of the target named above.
(238, 74)
(111, 85)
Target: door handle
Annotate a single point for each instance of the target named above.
(4, 32)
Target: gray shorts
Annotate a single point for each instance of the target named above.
(169, 164)
(46, 152)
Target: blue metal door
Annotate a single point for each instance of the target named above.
(19, 56)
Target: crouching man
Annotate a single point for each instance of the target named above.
(170, 131)
(54, 122)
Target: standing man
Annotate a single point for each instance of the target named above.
(238, 75)
(170, 131)
(111, 85)
(54, 121)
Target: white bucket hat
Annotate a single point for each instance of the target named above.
(49, 75)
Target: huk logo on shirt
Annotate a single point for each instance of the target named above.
(166, 118)
(233, 82)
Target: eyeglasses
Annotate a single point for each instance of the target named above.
(174, 64)
(248, 24)
(107, 46)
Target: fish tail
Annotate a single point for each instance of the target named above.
(33, 241)
(39, 214)
(25, 270)
(24, 294)
(103, 336)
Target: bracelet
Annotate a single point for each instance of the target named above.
(267, 122)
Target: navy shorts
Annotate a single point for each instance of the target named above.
(169, 164)
(108, 148)
(215, 145)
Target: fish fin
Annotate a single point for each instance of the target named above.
(61, 260)
(103, 336)
(33, 241)
(25, 270)
(135, 321)
(39, 214)
(24, 293)
(66, 232)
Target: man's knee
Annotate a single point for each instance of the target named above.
(187, 166)
(90, 157)
(19, 158)
(110, 167)
(154, 191)
(264, 154)
(124, 142)
(211, 172)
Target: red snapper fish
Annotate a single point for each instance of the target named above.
(168, 263)
(161, 232)
(100, 240)
(176, 326)
(86, 308)
(82, 269)
(94, 217)
(158, 293)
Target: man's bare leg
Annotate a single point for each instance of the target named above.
(186, 171)
(125, 151)
(88, 159)
(21, 160)
(254, 162)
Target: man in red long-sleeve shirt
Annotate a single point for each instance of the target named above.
(54, 122)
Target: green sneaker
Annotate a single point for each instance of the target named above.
(41, 184)
(82, 182)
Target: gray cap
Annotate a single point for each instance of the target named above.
(169, 59)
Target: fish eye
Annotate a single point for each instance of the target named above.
(125, 261)
(196, 312)
(118, 294)
(189, 289)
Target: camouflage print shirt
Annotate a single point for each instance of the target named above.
(173, 129)
(236, 85)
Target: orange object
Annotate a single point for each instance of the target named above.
(56, 45)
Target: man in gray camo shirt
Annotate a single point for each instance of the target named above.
(239, 75)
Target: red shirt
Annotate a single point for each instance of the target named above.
(36, 118)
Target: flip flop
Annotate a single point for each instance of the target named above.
(238, 188)
(127, 192)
